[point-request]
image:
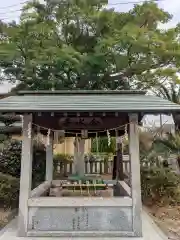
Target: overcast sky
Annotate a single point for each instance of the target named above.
(10, 10)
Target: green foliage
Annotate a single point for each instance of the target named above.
(63, 157)
(82, 45)
(102, 143)
(3, 138)
(160, 146)
(159, 184)
(170, 144)
(10, 158)
(9, 191)
(171, 92)
(7, 122)
(10, 161)
(9, 119)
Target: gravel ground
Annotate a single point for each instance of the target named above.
(4, 217)
(168, 219)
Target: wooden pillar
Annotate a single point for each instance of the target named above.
(135, 174)
(26, 174)
(118, 160)
(119, 163)
(49, 160)
(81, 163)
(79, 156)
(75, 169)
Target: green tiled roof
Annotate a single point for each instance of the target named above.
(123, 101)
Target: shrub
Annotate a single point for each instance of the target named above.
(63, 158)
(10, 158)
(159, 184)
(9, 191)
(10, 161)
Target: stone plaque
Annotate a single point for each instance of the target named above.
(83, 219)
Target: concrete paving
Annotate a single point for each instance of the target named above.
(150, 232)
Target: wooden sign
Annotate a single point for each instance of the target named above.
(80, 122)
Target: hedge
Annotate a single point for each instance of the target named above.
(9, 191)
(10, 161)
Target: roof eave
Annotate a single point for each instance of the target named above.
(81, 92)
(144, 111)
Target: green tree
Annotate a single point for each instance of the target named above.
(8, 124)
(170, 144)
(171, 92)
(80, 44)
